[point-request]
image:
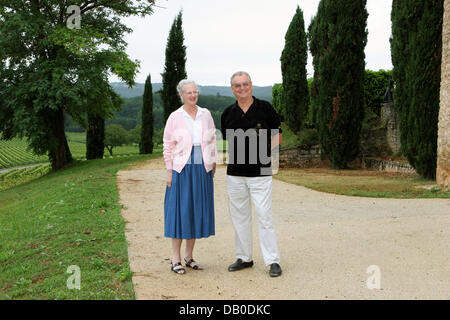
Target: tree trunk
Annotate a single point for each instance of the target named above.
(59, 154)
(110, 149)
(95, 137)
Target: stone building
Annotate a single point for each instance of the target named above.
(443, 150)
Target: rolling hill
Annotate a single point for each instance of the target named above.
(138, 90)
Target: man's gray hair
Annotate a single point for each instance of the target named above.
(240, 73)
(182, 83)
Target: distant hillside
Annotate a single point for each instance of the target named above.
(138, 90)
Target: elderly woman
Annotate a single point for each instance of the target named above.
(189, 153)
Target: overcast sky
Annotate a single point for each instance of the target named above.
(226, 36)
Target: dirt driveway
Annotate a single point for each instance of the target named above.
(330, 246)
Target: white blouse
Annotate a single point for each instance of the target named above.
(194, 126)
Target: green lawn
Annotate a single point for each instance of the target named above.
(364, 183)
(77, 145)
(71, 217)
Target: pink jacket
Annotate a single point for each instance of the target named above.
(178, 141)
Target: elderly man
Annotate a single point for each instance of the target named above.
(252, 128)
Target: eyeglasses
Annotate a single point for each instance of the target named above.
(240, 85)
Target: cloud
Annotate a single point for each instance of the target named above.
(225, 36)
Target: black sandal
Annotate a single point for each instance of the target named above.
(179, 270)
(195, 266)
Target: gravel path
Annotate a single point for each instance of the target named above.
(327, 243)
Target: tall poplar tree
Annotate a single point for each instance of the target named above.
(416, 49)
(146, 144)
(338, 38)
(295, 97)
(175, 67)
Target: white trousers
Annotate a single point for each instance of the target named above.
(259, 189)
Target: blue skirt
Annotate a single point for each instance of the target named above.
(189, 202)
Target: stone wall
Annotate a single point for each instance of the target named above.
(383, 138)
(443, 150)
(387, 165)
(374, 142)
(307, 157)
(389, 117)
(300, 157)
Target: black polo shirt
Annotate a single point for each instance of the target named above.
(249, 138)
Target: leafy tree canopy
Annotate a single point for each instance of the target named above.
(48, 66)
(115, 136)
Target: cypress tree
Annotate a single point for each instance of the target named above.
(295, 96)
(317, 38)
(277, 94)
(402, 26)
(146, 144)
(175, 67)
(338, 38)
(416, 49)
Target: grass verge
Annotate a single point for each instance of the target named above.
(364, 183)
(64, 219)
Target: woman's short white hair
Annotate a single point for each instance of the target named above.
(240, 73)
(184, 82)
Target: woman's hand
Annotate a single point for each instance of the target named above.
(214, 169)
(169, 178)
